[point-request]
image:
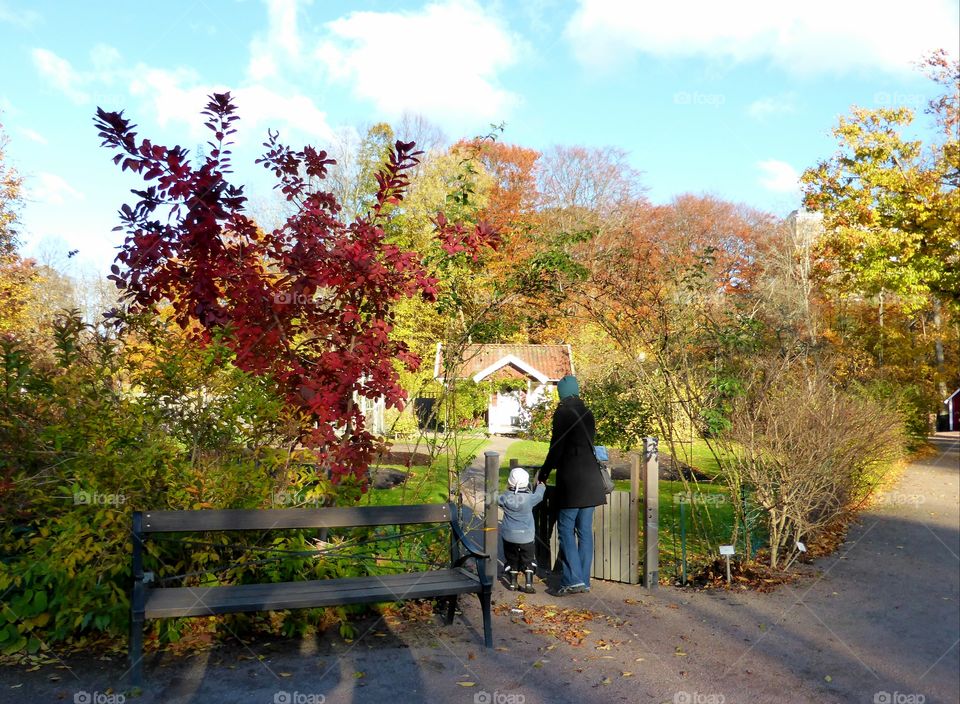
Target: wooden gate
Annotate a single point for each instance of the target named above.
(616, 547)
(624, 550)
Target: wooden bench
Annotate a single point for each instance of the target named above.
(150, 603)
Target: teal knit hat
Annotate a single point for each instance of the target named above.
(568, 386)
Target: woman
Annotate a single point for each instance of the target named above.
(579, 486)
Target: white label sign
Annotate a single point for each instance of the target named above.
(726, 550)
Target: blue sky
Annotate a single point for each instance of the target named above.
(733, 99)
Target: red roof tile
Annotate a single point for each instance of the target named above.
(553, 361)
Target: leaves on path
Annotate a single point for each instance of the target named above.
(566, 625)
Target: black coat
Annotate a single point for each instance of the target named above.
(571, 453)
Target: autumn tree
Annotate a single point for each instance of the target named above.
(16, 275)
(308, 304)
(675, 288)
(891, 210)
(11, 198)
(353, 177)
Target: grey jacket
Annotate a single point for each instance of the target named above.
(517, 525)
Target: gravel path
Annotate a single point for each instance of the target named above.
(876, 622)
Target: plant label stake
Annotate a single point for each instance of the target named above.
(727, 551)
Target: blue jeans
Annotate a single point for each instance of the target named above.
(575, 531)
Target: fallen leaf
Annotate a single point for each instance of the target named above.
(467, 684)
(828, 678)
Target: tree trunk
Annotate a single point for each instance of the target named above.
(938, 347)
(880, 345)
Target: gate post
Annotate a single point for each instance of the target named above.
(635, 499)
(651, 504)
(491, 485)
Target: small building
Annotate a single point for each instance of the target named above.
(540, 366)
(951, 416)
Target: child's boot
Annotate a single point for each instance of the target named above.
(528, 587)
(512, 581)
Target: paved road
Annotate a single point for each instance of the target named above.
(879, 621)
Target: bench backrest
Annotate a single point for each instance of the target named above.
(278, 519)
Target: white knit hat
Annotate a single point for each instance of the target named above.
(519, 479)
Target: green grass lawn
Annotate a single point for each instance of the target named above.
(428, 485)
(708, 512)
(697, 454)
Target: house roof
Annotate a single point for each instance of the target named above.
(541, 362)
(951, 396)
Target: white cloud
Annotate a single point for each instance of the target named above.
(280, 45)
(106, 68)
(778, 176)
(179, 96)
(107, 62)
(261, 106)
(20, 17)
(441, 61)
(175, 96)
(60, 74)
(763, 108)
(32, 135)
(51, 189)
(811, 37)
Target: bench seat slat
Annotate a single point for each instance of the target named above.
(208, 601)
(278, 519)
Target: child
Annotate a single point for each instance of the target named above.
(517, 528)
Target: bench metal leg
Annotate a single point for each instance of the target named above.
(485, 596)
(136, 651)
(451, 609)
(137, 601)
